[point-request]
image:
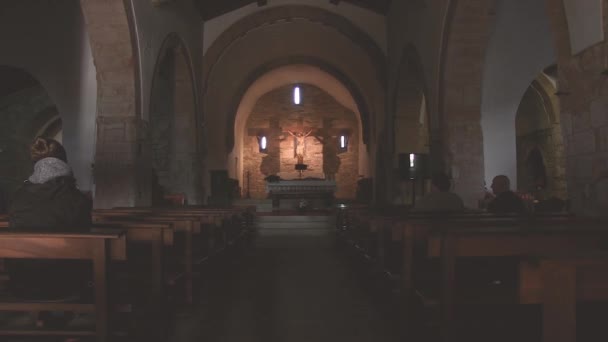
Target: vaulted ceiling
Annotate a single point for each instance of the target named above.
(214, 8)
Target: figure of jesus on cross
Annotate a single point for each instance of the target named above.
(299, 144)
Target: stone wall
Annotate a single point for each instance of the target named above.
(275, 113)
(583, 91)
(585, 127)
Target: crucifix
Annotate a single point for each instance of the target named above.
(299, 134)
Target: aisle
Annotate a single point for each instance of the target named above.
(286, 289)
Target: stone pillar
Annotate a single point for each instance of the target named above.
(122, 166)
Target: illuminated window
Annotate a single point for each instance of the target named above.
(263, 141)
(297, 97)
(343, 143)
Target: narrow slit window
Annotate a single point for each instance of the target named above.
(343, 143)
(297, 96)
(263, 143)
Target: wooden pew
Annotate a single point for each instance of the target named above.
(155, 236)
(566, 279)
(99, 248)
(482, 239)
(181, 226)
(192, 222)
(408, 231)
(146, 270)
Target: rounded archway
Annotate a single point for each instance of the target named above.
(540, 147)
(27, 111)
(172, 121)
(325, 89)
(295, 42)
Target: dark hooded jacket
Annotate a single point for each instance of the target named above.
(49, 202)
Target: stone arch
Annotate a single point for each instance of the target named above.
(294, 41)
(119, 124)
(287, 13)
(52, 126)
(465, 42)
(25, 108)
(362, 105)
(172, 119)
(326, 113)
(276, 76)
(538, 128)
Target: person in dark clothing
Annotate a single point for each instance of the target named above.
(506, 201)
(49, 201)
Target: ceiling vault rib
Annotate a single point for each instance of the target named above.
(210, 9)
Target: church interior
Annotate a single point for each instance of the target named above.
(303, 170)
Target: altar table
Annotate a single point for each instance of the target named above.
(301, 189)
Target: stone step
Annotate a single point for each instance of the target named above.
(294, 232)
(295, 218)
(262, 205)
(294, 225)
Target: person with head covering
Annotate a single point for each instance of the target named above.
(440, 199)
(48, 201)
(506, 201)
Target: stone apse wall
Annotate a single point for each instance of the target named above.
(274, 114)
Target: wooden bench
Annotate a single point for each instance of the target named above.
(474, 239)
(565, 279)
(376, 236)
(100, 248)
(191, 222)
(147, 273)
(183, 227)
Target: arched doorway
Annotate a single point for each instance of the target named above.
(172, 118)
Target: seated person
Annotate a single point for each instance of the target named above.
(440, 199)
(506, 201)
(49, 201)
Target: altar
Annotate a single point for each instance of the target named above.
(301, 189)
